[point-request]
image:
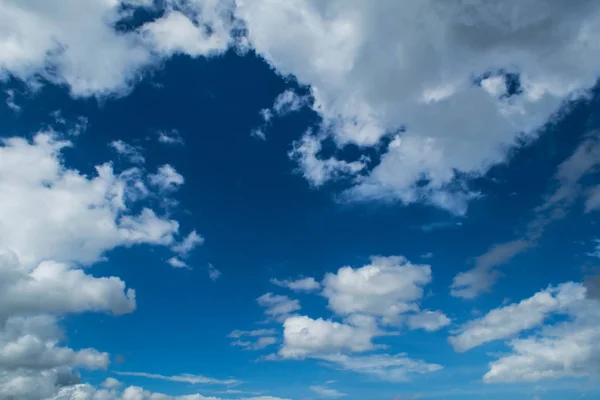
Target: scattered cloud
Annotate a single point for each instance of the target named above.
(188, 244)
(176, 262)
(132, 153)
(298, 285)
(111, 383)
(285, 103)
(166, 178)
(171, 137)
(278, 307)
(10, 100)
(505, 322)
(213, 273)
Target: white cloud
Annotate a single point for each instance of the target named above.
(277, 306)
(388, 287)
(111, 383)
(132, 153)
(567, 349)
(170, 137)
(166, 178)
(185, 378)
(317, 170)
(428, 320)
(377, 67)
(285, 103)
(505, 322)
(305, 337)
(324, 391)
(176, 262)
(81, 217)
(298, 285)
(44, 245)
(176, 33)
(213, 273)
(54, 41)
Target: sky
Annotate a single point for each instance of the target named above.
(301, 199)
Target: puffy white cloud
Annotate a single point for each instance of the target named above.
(59, 288)
(111, 383)
(428, 320)
(277, 306)
(166, 178)
(89, 392)
(53, 42)
(81, 217)
(132, 153)
(376, 68)
(388, 287)
(305, 337)
(504, 322)
(55, 219)
(31, 343)
(567, 349)
(298, 285)
(176, 262)
(176, 33)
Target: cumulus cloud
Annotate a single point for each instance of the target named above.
(379, 68)
(428, 320)
(298, 285)
(304, 336)
(556, 205)
(44, 245)
(81, 217)
(388, 287)
(505, 322)
(52, 43)
(86, 391)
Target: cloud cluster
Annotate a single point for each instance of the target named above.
(454, 83)
(54, 221)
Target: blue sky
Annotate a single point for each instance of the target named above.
(269, 200)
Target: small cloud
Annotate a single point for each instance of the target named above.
(132, 153)
(188, 244)
(111, 383)
(299, 285)
(427, 255)
(170, 137)
(213, 273)
(166, 178)
(10, 100)
(177, 263)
